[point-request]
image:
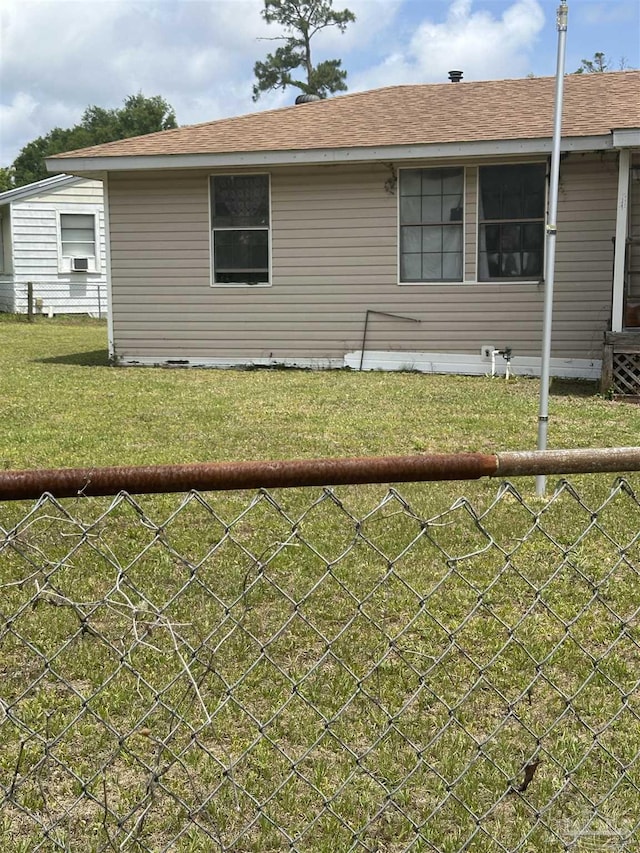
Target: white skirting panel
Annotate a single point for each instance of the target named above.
(423, 362)
(174, 361)
(472, 365)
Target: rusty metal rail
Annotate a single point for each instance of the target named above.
(225, 476)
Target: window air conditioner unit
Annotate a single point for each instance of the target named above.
(80, 264)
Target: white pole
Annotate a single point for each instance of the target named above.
(543, 414)
(622, 216)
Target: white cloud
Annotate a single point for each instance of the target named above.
(59, 56)
(480, 43)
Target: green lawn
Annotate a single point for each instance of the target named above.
(321, 671)
(62, 405)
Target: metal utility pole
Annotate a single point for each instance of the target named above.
(543, 414)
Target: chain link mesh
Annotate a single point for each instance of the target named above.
(60, 297)
(283, 672)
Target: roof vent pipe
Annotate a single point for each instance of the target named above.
(455, 76)
(307, 99)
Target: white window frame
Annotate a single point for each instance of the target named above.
(463, 222)
(267, 228)
(514, 281)
(64, 261)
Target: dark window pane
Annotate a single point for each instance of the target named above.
(452, 266)
(452, 239)
(431, 182)
(511, 248)
(510, 238)
(532, 264)
(411, 239)
(432, 238)
(432, 208)
(451, 208)
(512, 192)
(511, 203)
(491, 208)
(410, 182)
(411, 267)
(429, 197)
(241, 256)
(432, 267)
(453, 182)
(239, 200)
(490, 237)
(410, 210)
(532, 237)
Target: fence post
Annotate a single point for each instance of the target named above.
(30, 301)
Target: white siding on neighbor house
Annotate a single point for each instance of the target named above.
(35, 251)
(335, 255)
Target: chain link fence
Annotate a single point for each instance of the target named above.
(321, 670)
(48, 298)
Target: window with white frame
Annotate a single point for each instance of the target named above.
(78, 241)
(511, 214)
(431, 224)
(240, 224)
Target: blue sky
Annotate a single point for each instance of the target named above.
(59, 56)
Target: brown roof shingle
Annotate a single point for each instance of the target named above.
(408, 115)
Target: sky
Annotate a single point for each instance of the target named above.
(59, 56)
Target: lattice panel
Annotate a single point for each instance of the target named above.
(626, 373)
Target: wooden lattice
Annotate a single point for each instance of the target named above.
(626, 373)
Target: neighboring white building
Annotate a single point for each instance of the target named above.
(52, 234)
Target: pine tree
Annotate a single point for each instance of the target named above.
(301, 21)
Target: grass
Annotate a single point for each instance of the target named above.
(321, 671)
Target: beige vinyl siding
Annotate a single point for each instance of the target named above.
(470, 224)
(634, 231)
(334, 255)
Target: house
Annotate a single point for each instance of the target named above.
(402, 227)
(52, 235)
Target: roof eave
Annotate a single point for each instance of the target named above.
(45, 185)
(319, 156)
(628, 137)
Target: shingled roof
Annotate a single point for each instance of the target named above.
(594, 104)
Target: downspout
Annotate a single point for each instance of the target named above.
(543, 414)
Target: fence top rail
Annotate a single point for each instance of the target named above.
(225, 476)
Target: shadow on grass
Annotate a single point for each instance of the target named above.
(93, 358)
(573, 388)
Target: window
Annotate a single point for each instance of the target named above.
(511, 222)
(240, 226)
(431, 210)
(78, 241)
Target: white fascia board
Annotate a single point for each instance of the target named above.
(627, 138)
(319, 156)
(38, 187)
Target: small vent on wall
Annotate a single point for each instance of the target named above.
(80, 264)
